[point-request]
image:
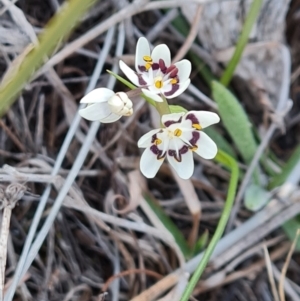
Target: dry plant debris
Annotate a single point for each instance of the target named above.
(106, 243)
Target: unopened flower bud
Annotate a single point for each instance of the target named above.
(120, 104)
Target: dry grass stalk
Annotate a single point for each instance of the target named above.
(193, 203)
(191, 37)
(285, 267)
(270, 273)
(9, 196)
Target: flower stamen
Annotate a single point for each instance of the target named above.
(194, 148)
(147, 58)
(177, 132)
(158, 84)
(148, 61)
(197, 126)
(157, 141)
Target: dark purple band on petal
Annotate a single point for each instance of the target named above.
(153, 138)
(169, 122)
(178, 157)
(196, 136)
(171, 68)
(173, 153)
(162, 66)
(175, 87)
(184, 150)
(193, 118)
(155, 66)
(156, 151)
(142, 68)
(173, 73)
(141, 80)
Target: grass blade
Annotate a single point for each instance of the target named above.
(57, 30)
(241, 44)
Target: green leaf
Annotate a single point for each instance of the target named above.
(235, 121)
(58, 28)
(201, 242)
(177, 109)
(172, 228)
(256, 197)
(242, 42)
(290, 228)
(287, 169)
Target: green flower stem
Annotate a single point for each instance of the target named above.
(242, 42)
(23, 69)
(230, 163)
(163, 107)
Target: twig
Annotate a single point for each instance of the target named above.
(161, 24)
(191, 36)
(202, 97)
(285, 267)
(270, 274)
(193, 204)
(124, 273)
(13, 137)
(8, 200)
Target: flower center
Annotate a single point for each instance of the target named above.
(158, 84)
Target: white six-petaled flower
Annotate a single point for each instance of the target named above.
(155, 74)
(105, 105)
(181, 137)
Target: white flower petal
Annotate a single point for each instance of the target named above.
(185, 168)
(184, 70)
(111, 118)
(149, 163)
(142, 49)
(187, 132)
(131, 75)
(171, 117)
(186, 125)
(182, 87)
(95, 112)
(205, 118)
(152, 95)
(145, 140)
(176, 144)
(207, 148)
(98, 95)
(161, 52)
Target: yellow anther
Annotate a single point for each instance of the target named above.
(194, 148)
(197, 126)
(147, 58)
(177, 132)
(173, 81)
(158, 84)
(148, 66)
(157, 141)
